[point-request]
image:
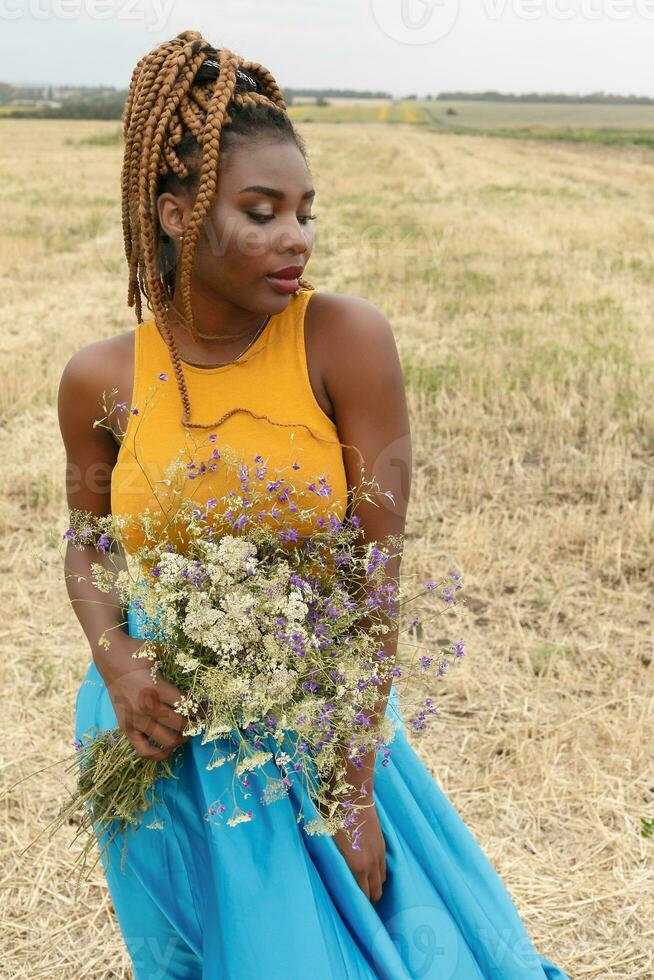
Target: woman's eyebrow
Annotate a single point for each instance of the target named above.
(271, 192)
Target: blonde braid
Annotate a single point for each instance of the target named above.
(208, 180)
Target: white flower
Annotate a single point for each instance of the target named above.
(277, 686)
(241, 818)
(234, 554)
(171, 566)
(253, 761)
(185, 662)
(296, 609)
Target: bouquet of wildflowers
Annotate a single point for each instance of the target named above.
(275, 638)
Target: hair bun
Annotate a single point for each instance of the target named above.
(190, 36)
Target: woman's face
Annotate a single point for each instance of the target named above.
(250, 233)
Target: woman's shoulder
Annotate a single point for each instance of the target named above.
(101, 368)
(347, 313)
(99, 356)
(352, 326)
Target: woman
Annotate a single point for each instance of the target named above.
(217, 200)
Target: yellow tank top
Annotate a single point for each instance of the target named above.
(270, 379)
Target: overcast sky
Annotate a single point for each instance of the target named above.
(401, 46)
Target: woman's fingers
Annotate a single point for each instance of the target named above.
(375, 886)
(155, 702)
(167, 692)
(143, 748)
(150, 728)
(362, 880)
(172, 719)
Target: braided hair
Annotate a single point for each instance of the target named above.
(186, 102)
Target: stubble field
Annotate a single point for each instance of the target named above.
(518, 277)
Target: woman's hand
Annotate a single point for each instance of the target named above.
(143, 708)
(368, 864)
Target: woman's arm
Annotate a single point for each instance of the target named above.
(142, 708)
(90, 458)
(366, 387)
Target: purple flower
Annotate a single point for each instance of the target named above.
(425, 661)
(430, 586)
(103, 542)
(69, 534)
(447, 596)
(324, 490)
(458, 648)
(377, 558)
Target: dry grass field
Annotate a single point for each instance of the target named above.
(519, 280)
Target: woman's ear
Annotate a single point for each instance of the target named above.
(173, 216)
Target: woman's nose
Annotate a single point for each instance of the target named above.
(292, 237)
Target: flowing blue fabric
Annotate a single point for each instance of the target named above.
(203, 901)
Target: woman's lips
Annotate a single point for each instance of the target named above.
(285, 286)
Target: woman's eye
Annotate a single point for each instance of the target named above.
(263, 218)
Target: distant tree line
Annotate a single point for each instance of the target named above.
(73, 109)
(22, 102)
(333, 93)
(598, 98)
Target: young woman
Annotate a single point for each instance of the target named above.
(217, 214)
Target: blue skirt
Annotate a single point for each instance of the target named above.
(202, 900)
